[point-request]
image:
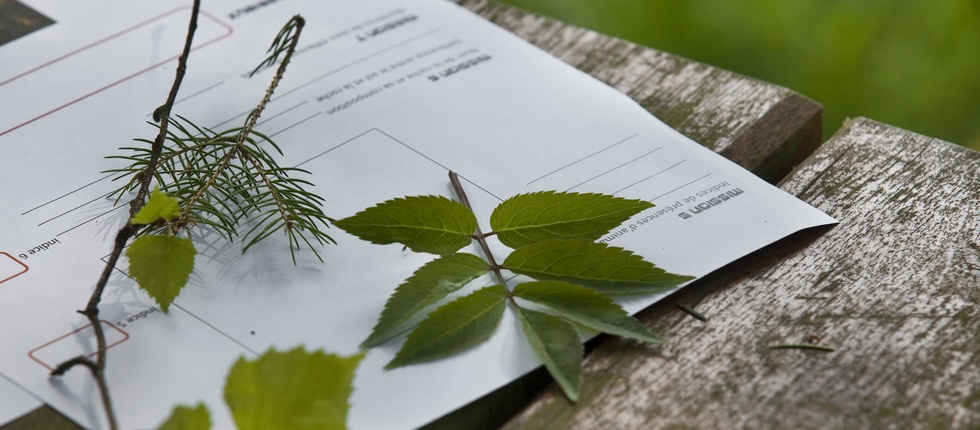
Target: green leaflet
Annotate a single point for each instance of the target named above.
(528, 218)
(161, 264)
(295, 389)
(188, 418)
(454, 327)
(586, 307)
(552, 234)
(608, 269)
(430, 224)
(558, 347)
(159, 206)
(429, 284)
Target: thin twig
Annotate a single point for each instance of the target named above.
(125, 233)
(690, 311)
(77, 361)
(811, 346)
(162, 114)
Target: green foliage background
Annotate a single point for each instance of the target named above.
(910, 63)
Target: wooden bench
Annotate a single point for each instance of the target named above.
(894, 289)
(891, 289)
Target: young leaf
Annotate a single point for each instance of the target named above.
(431, 224)
(161, 264)
(188, 418)
(528, 218)
(159, 206)
(295, 389)
(608, 269)
(454, 327)
(586, 307)
(558, 347)
(429, 284)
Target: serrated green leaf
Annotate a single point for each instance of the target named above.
(608, 269)
(545, 215)
(429, 284)
(294, 389)
(430, 224)
(586, 307)
(188, 418)
(161, 264)
(454, 327)
(558, 347)
(158, 206)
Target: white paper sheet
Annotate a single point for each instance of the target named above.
(384, 98)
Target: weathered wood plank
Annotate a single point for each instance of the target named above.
(893, 288)
(762, 127)
(42, 418)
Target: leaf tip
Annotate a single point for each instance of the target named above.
(394, 364)
(369, 343)
(572, 395)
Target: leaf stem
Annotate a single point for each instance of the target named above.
(479, 236)
(91, 311)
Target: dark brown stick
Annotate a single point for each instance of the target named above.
(91, 311)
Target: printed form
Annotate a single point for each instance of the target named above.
(383, 99)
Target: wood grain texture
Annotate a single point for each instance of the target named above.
(760, 126)
(893, 288)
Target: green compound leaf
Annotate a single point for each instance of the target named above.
(188, 418)
(429, 284)
(159, 206)
(295, 389)
(558, 347)
(609, 269)
(454, 327)
(161, 264)
(430, 224)
(545, 215)
(586, 307)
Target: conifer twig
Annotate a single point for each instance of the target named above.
(293, 204)
(286, 47)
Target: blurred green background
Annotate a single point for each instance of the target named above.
(914, 64)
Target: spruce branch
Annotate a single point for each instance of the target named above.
(221, 178)
(224, 179)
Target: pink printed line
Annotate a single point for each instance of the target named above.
(93, 354)
(212, 17)
(16, 274)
